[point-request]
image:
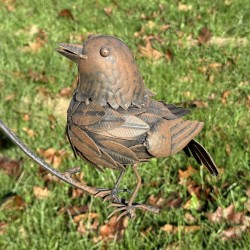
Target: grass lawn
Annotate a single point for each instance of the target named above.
(195, 55)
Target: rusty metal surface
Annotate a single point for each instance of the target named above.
(112, 120)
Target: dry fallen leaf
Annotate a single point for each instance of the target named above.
(14, 202)
(189, 218)
(108, 11)
(224, 96)
(65, 92)
(228, 149)
(113, 230)
(3, 227)
(10, 97)
(184, 7)
(26, 117)
(194, 189)
(39, 41)
(232, 233)
(175, 229)
(81, 229)
(204, 35)
(38, 76)
(66, 13)
(52, 156)
(140, 33)
(29, 132)
(75, 210)
(172, 201)
(149, 52)
(229, 215)
(169, 55)
(78, 218)
(185, 174)
(41, 193)
(11, 167)
(77, 193)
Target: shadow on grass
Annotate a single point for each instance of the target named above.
(5, 142)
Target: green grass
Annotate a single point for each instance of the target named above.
(226, 124)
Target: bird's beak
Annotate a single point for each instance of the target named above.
(71, 51)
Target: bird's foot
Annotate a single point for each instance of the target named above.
(110, 194)
(129, 210)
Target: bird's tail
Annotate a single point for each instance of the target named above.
(201, 155)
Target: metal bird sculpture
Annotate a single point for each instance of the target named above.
(112, 122)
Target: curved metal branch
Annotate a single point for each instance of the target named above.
(66, 177)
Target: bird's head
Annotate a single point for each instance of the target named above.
(107, 71)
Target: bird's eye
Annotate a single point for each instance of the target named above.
(104, 52)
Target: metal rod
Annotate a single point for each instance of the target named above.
(66, 177)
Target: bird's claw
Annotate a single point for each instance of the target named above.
(125, 209)
(110, 194)
(129, 210)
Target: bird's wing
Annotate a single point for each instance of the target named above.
(167, 111)
(115, 124)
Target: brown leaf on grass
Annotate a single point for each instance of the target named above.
(175, 246)
(52, 156)
(77, 193)
(189, 218)
(9, 4)
(184, 7)
(65, 92)
(39, 41)
(38, 76)
(26, 117)
(108, 11)
(228, 149)
(149, 52)
(172, 201)
(113, 230)
(194, 189)
(41, 193)
(215, 65)
(233, 41)
(224, 96)
(228, 215)
(232, 233)
(49, 178)
(14, 202)
(169, 55)
(248, 200)
(87, 223)
(66, 13)
(11, 167)
(185, 174)
(10, 97)
(29, 132)
(168, 228)
(197, 104)
(83, 216)
(43, 92)
(140, 33)
(165, 27)
(204, 35)
(74, 210)
(81, 228)
(3, 227)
